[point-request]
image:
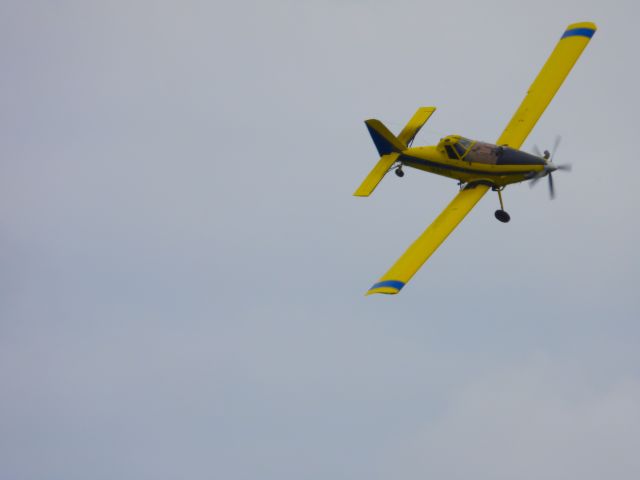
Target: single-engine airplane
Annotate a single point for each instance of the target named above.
(478, 166)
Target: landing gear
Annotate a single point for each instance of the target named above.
(399, 171)
(501, 215)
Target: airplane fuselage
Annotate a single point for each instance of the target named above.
(470, 161)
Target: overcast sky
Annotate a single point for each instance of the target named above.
(183, 267)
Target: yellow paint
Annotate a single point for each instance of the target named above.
(414, 125)
(374, 177)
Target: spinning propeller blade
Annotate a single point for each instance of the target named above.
(556, 144)
(537, 151)
(549, 167)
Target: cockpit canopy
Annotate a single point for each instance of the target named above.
(460, 148)
(456, 146)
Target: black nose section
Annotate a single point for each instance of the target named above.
(517, 157)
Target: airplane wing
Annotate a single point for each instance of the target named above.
(544, 87)
(427, 243)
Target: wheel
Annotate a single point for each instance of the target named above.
(399, 172)
(502, 216)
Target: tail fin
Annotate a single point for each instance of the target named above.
(385, 141)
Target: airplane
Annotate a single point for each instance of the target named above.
(478, 166)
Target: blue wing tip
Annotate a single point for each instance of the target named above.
(393, 284)
(579, 32)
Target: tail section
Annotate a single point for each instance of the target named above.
(390, 147)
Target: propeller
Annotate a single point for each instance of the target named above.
(549, 167)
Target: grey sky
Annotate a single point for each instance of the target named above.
(184, 267)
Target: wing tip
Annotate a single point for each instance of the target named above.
(580, 29)
(388, 287)
(362, 192)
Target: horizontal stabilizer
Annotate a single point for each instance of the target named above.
(377, 174)
(414, 125)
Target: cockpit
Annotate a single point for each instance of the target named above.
(456, 146)
(461, 148)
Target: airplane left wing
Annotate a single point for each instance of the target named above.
(427, 243)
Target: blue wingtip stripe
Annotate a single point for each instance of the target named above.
(397, 284)
(579, 32)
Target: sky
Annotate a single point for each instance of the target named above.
(183, 264)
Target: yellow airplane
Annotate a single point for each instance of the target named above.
(478, 166)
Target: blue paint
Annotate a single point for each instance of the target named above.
(579, 32)
(397, 284)
(406, 159)
(383, 146)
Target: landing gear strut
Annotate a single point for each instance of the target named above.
(501, 215)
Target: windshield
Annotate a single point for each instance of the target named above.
(465, 142)
(450, 152)
(460, 149)
(462, 146)
(457, 147)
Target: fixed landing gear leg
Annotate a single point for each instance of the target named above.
(501, 215)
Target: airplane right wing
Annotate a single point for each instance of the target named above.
(427, 243)
(544, 87)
